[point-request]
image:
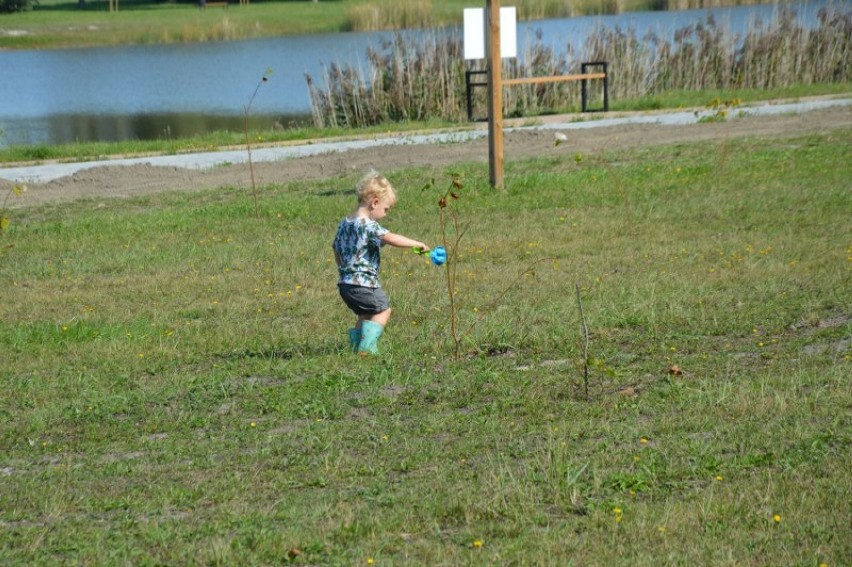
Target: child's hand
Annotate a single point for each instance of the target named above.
(422, 248)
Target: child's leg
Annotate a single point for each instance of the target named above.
(355, 332)
(372, 327)
(380, 318)
(355, 337)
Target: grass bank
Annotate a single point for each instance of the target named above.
(61, 23)
(176, 386)
(220, 139)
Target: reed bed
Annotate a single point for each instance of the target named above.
(371, 15)
(389, 14)
(423, 77)
(539, 9)
(405, 80)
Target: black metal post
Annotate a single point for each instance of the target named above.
(584, 94)
(469, 84)
(469, 95)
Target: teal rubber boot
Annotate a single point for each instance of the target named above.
(354, 338)
(370, 333)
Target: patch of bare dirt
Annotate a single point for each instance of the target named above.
(105, 181)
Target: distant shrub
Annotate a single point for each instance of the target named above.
(9, 6)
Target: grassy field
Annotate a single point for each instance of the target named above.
(176, 387)
(57, 25)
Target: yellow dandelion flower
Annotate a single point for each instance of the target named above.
(644, 441)
(370, 561)
(777, 518)
(252, 424)
(478, 543)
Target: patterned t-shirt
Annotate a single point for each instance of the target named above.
(356, 248)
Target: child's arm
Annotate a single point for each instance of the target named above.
(401, 241)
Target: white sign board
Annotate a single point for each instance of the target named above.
(474, 33)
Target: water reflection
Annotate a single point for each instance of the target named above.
(69, 128)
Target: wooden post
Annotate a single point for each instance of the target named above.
(494, 64)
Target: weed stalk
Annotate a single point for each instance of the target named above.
(17, 191)
(246, 114)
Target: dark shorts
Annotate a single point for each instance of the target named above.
(364, 300)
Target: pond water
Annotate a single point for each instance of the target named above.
(162, 91)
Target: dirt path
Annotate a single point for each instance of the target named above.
(109, 181)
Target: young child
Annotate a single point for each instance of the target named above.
(357, 248)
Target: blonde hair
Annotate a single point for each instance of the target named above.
(374, 185)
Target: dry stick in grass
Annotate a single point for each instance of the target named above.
(248, 145)
(452, 261)
(17, 190)
(451, 265)
(585, 341)
(619, 184)
(722, 156)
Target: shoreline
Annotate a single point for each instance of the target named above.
(46, 172)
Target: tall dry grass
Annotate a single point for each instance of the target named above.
(389, 14)
(406, 80)
(371, 15)
(417, 79)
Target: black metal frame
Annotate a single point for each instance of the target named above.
(584, 86)
(469, 90)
